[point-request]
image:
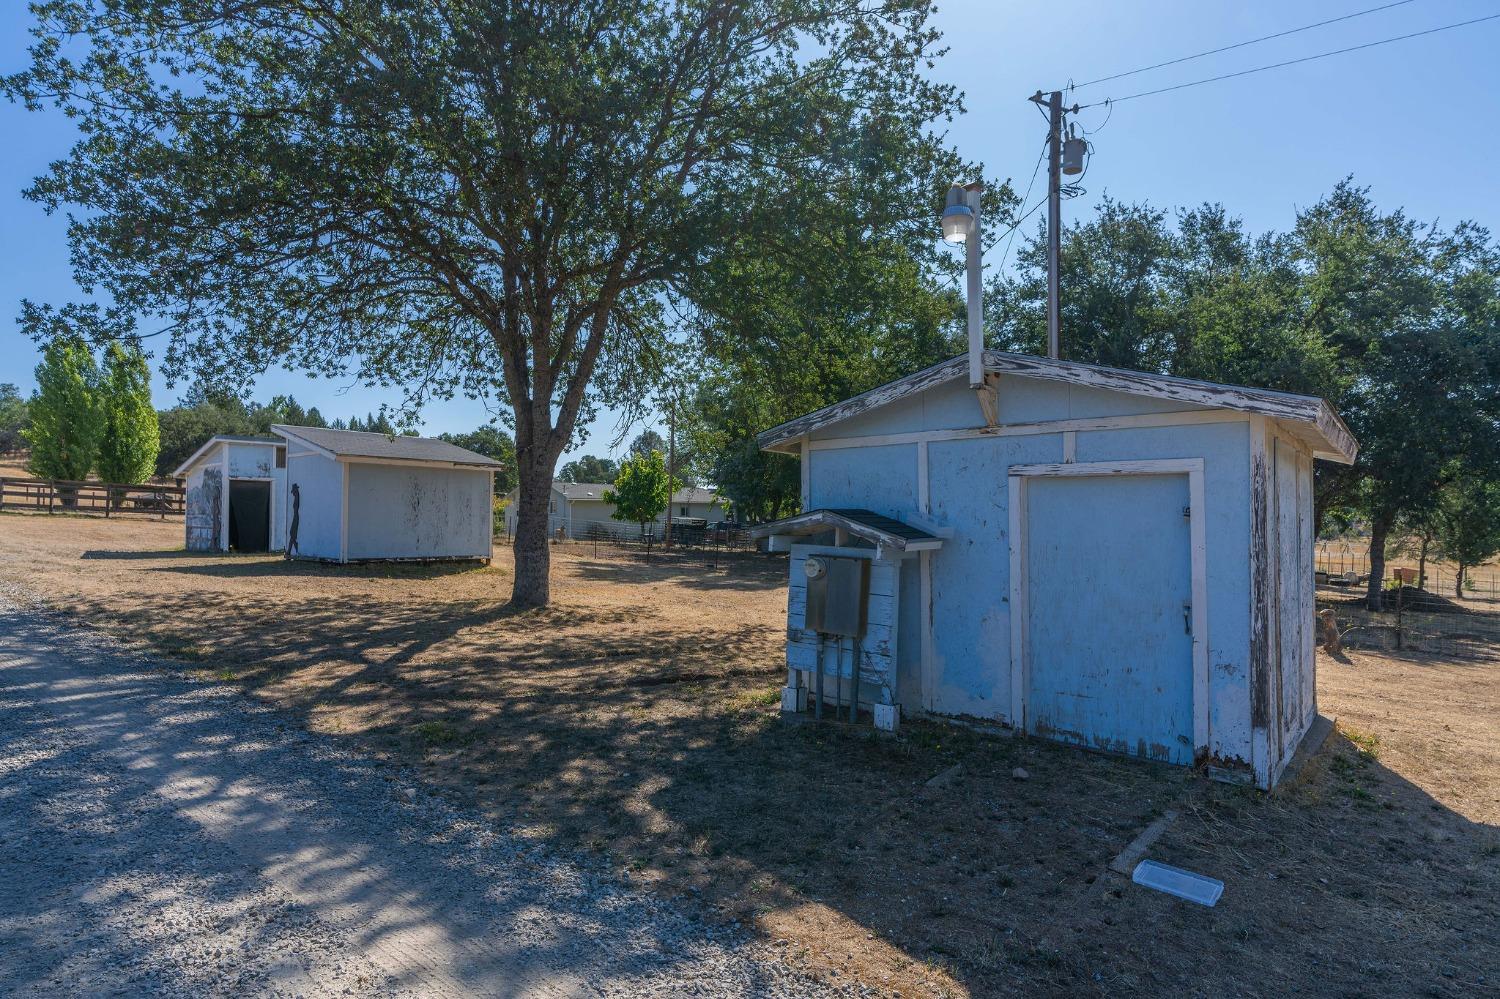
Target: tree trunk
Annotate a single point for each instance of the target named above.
(1379, 529)
(532, 585)
(1458, 586)
(1422, 564)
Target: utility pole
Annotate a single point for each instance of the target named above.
(1054, 223)
(671, 467)
(1055, 111)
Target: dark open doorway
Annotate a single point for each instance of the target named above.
(249, 516)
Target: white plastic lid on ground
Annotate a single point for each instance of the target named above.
(1176, 881)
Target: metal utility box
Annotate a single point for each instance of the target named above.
(838, 591)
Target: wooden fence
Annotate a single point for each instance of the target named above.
(99, 498)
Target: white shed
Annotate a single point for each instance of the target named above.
(1105, 557)
(339, 496)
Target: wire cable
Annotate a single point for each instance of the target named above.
(1024, 198)
(1291, 62)
(1240, 45)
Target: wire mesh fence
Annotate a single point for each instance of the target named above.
(1347, 563)
(1423, 609)
(690, 538)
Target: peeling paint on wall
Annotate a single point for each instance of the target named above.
(203, 503)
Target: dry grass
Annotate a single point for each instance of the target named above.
(637, 717)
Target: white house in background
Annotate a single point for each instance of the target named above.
(339, 496)
(574, 507)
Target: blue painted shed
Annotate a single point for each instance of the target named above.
(1104, 557)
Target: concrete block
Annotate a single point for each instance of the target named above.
(793, 700)
(887, 717)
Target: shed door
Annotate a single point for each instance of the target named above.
(249, 516)
(1109, 577)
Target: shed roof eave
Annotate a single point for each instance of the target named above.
(861, 523)
(1329, 433)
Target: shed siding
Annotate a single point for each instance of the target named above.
(971, 573)
(418, 512)
(321, 483)
(841, 478)
(258, 461)
(967, 496)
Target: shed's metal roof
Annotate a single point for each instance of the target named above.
(867, 524)
(1308, 417)
(381, 447)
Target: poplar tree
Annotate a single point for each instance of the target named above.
(132, 435)
(67, 422)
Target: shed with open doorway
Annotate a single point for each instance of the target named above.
(1104, 557)
(233, 484)
(339, 496)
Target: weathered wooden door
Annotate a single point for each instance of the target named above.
(1108, 604)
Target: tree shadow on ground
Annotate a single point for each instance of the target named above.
(613, 730)
(255, 565)
(167, 795)
(739, 571)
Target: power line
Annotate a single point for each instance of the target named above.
(1240, 45)
(1024, 198)
(1292, 62)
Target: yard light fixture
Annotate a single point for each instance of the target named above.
(960, 222)
(958, 218)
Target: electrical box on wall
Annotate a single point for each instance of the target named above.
(838, 591)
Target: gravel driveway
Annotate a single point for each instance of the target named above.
(168, 837)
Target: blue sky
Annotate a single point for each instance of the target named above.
(1414, 120)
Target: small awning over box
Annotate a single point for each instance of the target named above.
(879, 530)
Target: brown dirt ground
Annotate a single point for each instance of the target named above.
(637, 717)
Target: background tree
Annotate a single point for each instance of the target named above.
(492, 443)
(132, 438)
(645, 442)
(498, 199)
(589, 468)
(12, 418)
(642, 489)
(67, 421)
(1466, 522)
(1393, 321)
(784, 335)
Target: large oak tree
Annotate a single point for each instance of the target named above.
(498, 198)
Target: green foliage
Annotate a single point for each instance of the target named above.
(1396, 322)
(492, 443)
(185, 428)
(67, 421)
(642, 489)
(589, 468)
(13, 418)
(784, 337)
(1466, 522)
(132, 437)
(497, 199)
(647, 441)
